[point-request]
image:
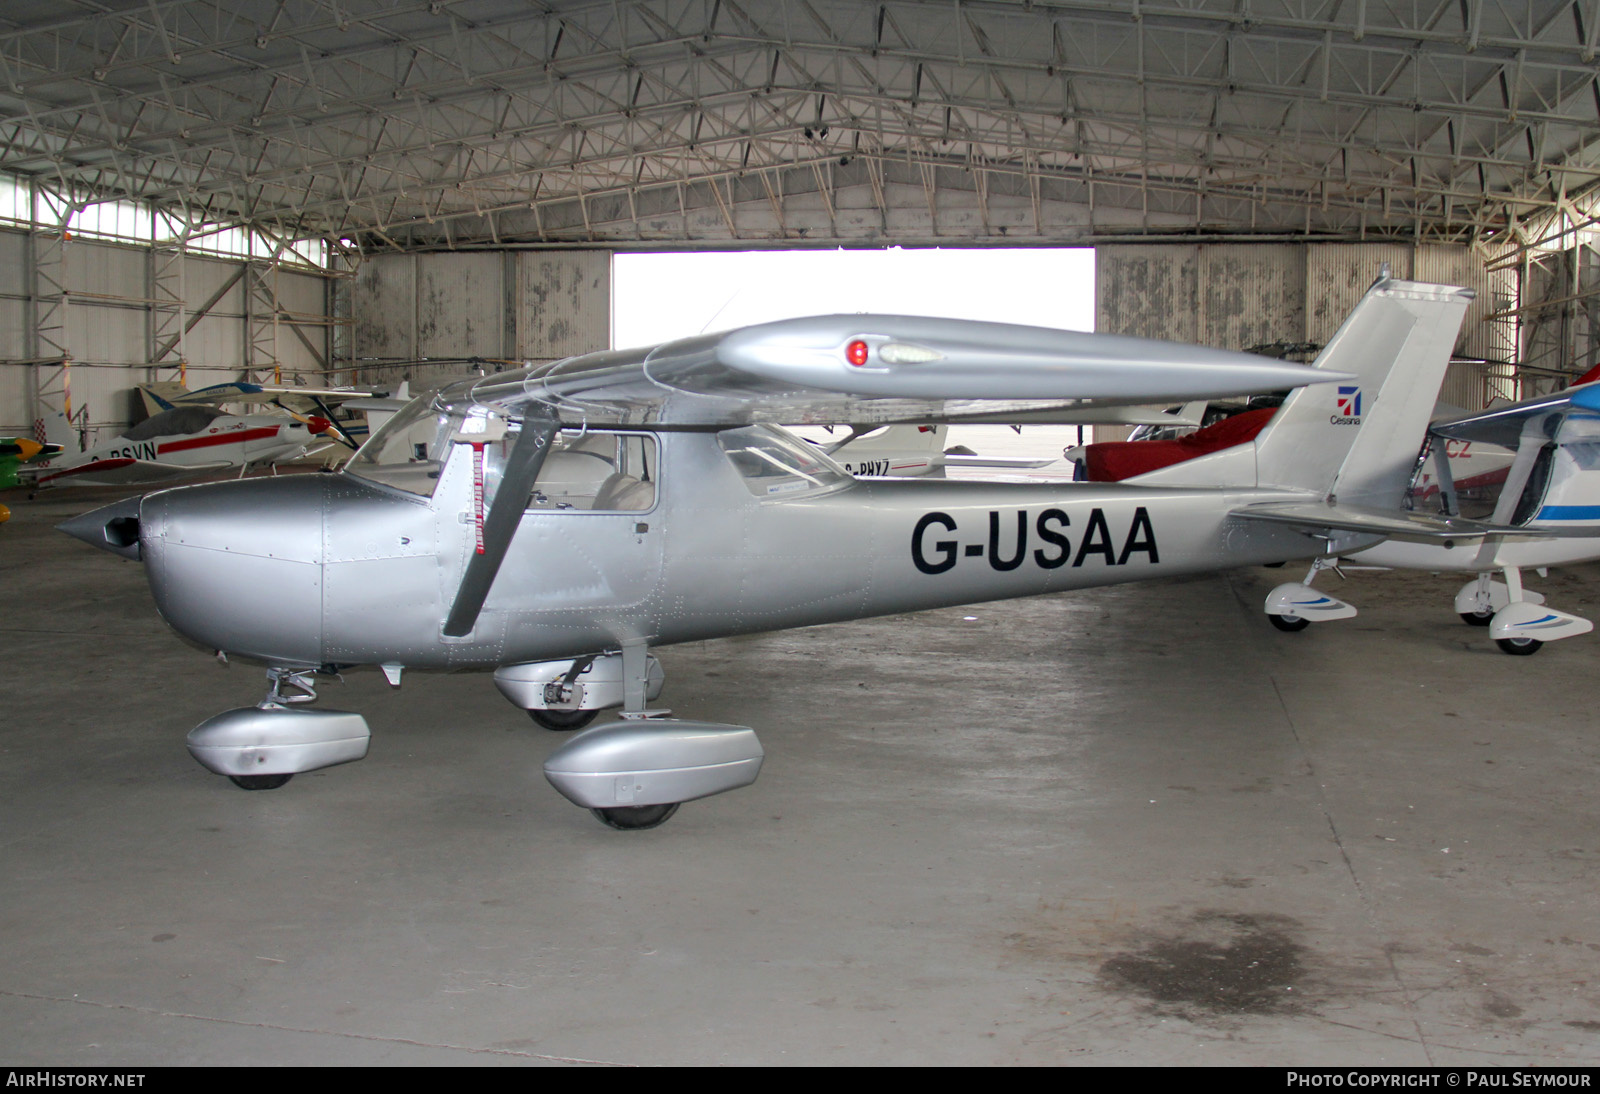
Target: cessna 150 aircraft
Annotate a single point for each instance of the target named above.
(554, 524)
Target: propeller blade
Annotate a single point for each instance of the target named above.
(516, 486)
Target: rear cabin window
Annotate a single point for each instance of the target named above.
(775, 464)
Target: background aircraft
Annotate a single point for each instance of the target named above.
(180, 443)
(554, 524)
(899, 450)
(1525, 465)
(16, 451)
(1552, 484)
(303, 404)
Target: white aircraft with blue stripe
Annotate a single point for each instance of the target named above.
(1553, 483)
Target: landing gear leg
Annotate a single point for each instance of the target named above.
(1483, 607)
(635, 680)
(635, 701)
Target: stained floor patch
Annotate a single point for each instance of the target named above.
(1220, 963)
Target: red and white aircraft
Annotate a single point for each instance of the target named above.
(180, 443)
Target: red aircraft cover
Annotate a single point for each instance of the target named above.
(1113, 461)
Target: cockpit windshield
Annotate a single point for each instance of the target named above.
(408, 451)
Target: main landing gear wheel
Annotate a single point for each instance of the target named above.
(1519, 647)
(1477, 619)
(259, 782)
(1290, 623)
(563, 720)
(634, 818)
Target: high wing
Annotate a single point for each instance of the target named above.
(1504, 425)
(875, 369)
(169, 395)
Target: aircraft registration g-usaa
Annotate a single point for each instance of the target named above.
(554, 524)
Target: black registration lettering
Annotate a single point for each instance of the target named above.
(945, 547)
(1004, 564)
(1141, 537)
(1052, 537)
(1096, 540)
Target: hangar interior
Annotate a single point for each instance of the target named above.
(328, 192)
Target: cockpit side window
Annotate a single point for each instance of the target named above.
(586, 471)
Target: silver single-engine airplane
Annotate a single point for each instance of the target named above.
(554, 524)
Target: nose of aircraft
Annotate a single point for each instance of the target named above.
(237, 566)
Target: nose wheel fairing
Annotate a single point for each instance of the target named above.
(249, 742)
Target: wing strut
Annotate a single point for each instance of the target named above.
(539, 429)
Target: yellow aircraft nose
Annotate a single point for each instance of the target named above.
(27, 449)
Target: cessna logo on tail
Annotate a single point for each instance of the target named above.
(1348, 406)
(1006, 546)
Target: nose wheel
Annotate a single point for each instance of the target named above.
(259, 782)
(635, 818)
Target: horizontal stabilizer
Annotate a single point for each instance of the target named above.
(1317, 517)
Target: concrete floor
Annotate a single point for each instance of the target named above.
(1136, 825)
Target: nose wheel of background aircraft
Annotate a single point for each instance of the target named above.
(1477, 619)
(1289, 623)
(563, 720)
(1519, 647)
(634, 818)
(259, 782)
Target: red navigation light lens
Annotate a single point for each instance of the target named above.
(856, 353)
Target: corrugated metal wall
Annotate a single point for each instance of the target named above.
(1242, 295)
(109, 328)
(15, 381)
(513, 305)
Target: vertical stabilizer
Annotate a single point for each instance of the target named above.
(58, 430)
(159, 395)
(1355, 439)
